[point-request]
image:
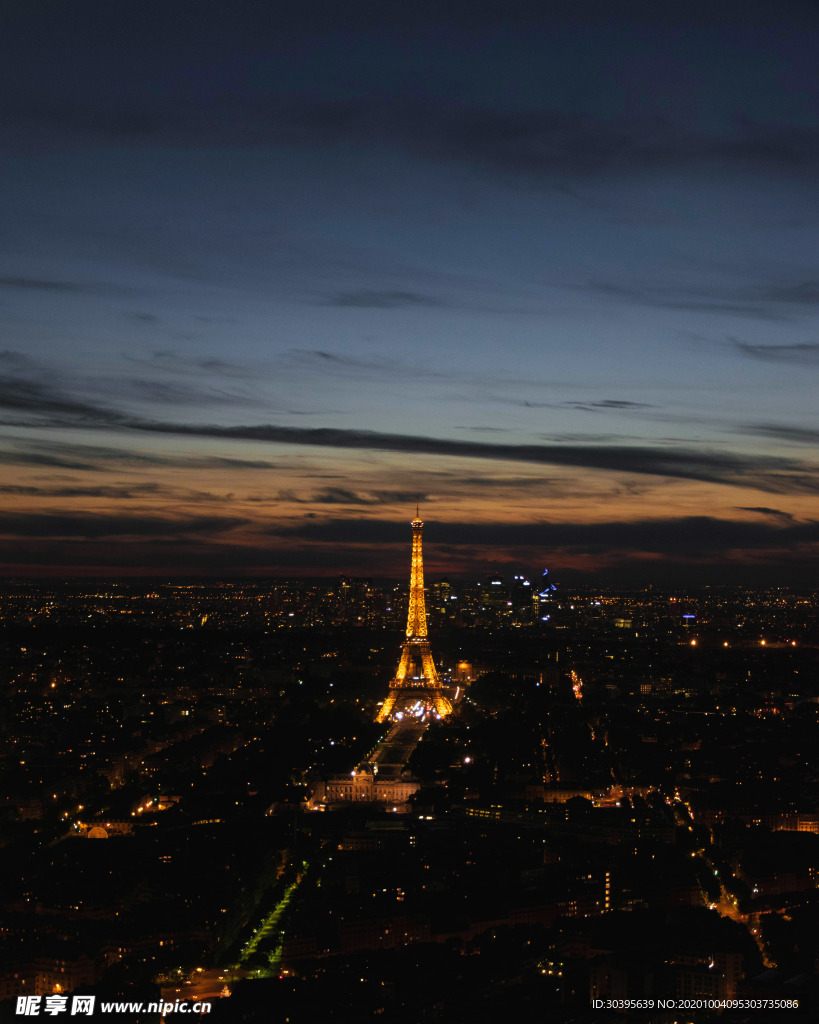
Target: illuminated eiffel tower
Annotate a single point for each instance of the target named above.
(416, 683)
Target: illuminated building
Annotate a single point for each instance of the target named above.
(520, 594)
(496, 596)
(415, 689)
(364, 786)
(545, 598)
(464, 673)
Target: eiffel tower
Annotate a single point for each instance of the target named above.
(416, 682)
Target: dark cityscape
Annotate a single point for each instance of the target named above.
(591, 798)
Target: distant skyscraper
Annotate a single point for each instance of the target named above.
(546, 596)
(415, 689)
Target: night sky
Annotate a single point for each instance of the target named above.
(270, 271)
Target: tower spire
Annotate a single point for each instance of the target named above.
(417, 612)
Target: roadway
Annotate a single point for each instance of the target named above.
(393, 752)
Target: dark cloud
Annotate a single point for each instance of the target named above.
(694, 299)
(490, 482)
(776, 475)
(768, 473)
(101, 458)
(802, 293)
(318, 355)
(529, 143)
(191, 557)
(602, 405)
(165, 393)
(774, 513)
(21, 392)
(44, 395)
(782, 432)
(546, 142)
(143, 318)
(773, 302)
(606, 404)
(17, 361)
(173, 362)
(87, 525)
(343, 496)
(691, 535)
(370, 368)
(51, 406)
(184, 557)
(382, 300)
(114, 492)
(37, 285)
(29, 457)
(224, 462)
(155, 544)
(492, 430)
(805, 353)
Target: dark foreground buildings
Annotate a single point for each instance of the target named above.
(623, 805)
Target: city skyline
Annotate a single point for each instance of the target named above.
(631, 763)
(268, 278)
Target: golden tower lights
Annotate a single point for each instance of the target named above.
(416, 676)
